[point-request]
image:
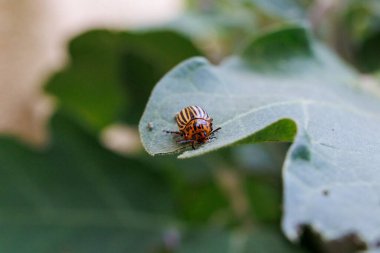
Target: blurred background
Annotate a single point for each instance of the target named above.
(75, 77)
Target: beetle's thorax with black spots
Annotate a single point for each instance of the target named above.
(198, 130)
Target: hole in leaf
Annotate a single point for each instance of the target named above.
(317, 244)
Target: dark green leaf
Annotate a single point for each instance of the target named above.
(76, 196)
(111, 74)
(368, 52)
(261, 240)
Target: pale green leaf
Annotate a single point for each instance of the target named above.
(287, 87)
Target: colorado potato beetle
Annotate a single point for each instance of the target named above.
(195, 126)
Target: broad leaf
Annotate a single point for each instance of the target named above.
(287, 87)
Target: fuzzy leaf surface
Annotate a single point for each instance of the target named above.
(285, 86)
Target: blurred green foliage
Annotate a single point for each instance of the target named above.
(77, 196)
(111, 74)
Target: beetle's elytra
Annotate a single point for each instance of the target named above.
(195, 126)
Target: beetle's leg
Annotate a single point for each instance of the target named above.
(183, 141)
(172, 132)
(182, 148)
(187, 141)
(215, 130)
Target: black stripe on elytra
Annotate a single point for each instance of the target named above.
(179, 120)
(194, 113)
(188, 113)
(183, 116)
(199, 111)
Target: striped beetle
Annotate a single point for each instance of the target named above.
(195, 126)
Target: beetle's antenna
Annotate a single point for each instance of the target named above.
(172, 132)
(215, 130)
